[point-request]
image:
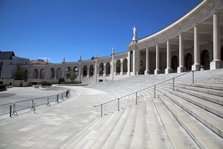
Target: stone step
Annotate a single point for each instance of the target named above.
(206, 105)
(88, 132)
(178, 136)
(205, 96)
(203, 90)
(140, 137)
(104, 132)
(128, 130)
(204, 137)
(114, 136)
(157, 135)
(207, 86)
(210, 120)
(81, 134)
(95, 131)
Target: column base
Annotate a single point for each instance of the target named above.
(128, 73)
(180, 69)
(146, 72)
(157, 71)
(216, 64)
(196, 67)
(168, 70)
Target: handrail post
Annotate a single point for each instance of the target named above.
(57, 98)
(10, 114)
(192, 76)
(33, 106)
(154, 91)
(118, 105)
(173, 84)
(136, 99)
(101, 110)
(48, 101)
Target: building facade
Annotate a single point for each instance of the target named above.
(194, 42)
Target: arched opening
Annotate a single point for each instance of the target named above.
(131, 61)
(205, 59)
(52, 71)
(75, 70)
(58, 73)
(174, 63)
(68, 72)
(101, 69)
(85, 71)
(118, 66)
(91, 70)
(42, 74)
(35, 74)
(188, 62)
(142, 68)
(142, 64)
(125, 65)
(25, 75)
(108, 68)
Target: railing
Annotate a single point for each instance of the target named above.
(13, 108)
(154, 86)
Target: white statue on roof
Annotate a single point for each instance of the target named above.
(134, 38)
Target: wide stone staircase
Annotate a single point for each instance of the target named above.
(179, 115)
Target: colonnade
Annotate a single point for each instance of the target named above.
(214, 64)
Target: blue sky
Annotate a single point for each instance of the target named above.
(70, 28)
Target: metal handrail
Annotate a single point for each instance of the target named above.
(135, 92)
(13, 104)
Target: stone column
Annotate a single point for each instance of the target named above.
(129, 63)
(216, 63)
(121, 73)
(181, 67)
(168, 58)
(157, 70)
(104, 70)
(134, 62)
(96, 70)
(80, 71)
(196, 65)
(147, 61)
(112, 65)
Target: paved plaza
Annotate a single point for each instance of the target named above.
(52, 126)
